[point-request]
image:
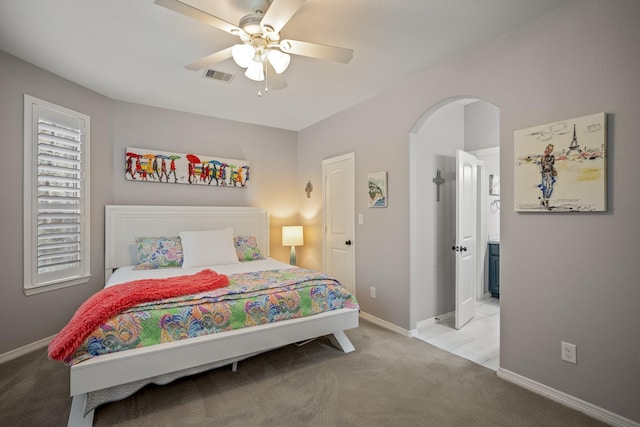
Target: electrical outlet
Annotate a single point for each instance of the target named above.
(569, 352)
(372, 292)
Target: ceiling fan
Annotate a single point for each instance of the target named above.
(261, 50)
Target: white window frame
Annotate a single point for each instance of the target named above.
(35, 282)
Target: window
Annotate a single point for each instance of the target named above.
(56, 196)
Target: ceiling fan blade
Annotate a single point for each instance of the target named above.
(315, 50)
(280, 12)
(192, 12)
(275, 81)
(210, 60)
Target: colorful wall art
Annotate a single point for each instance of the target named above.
(146, 165)
(561, 167)
(377, 189)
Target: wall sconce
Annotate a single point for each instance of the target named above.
(292, 236)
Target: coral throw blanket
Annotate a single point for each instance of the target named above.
(112, 300)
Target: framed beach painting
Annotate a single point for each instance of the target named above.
(377, 189)
(562, 166)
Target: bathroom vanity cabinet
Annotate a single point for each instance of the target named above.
(494, 269)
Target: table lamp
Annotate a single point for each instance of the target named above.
(292, 236)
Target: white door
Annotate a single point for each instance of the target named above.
(466, 236)
(339, 215)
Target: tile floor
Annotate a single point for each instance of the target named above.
(478, 340)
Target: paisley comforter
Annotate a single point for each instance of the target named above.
(251, 299)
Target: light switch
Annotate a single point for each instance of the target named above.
(360, 219)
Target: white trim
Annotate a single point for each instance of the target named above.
(414, 302)
(567, 400)
(57, 285)
(481, 237)
(434, 320)
(485, 151)
(431, 321)
(445, 316)
(19, 352)
(32, 282)
(386, 325)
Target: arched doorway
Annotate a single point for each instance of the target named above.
(467, 124)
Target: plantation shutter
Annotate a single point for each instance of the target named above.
(59, 190)
(59, 243)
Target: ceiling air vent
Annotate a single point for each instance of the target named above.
(218, 75)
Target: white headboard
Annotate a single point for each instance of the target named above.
(123, 223)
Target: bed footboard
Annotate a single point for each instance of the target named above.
(115, 369)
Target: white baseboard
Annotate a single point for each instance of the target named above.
(385, 324)
(13, 354)
(432, 321)
(567, 400)
(445, 316)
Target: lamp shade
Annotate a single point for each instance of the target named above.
(279, 60)
(243, 54)
(255, 71)
(292, 236)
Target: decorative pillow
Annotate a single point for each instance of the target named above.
(247, 248)
(209, 247)
(158, 252)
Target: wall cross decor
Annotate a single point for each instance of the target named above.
(308, 189)
(438, 180)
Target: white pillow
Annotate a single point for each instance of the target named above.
(208, 247)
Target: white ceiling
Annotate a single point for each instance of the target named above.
(135, 51)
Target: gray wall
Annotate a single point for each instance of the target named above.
(270, 152)
(481, 126)
(434, 148)
(115, 125)
(565, 277)
(578, 283)
(39, 316)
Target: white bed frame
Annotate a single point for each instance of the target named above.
(122, 225)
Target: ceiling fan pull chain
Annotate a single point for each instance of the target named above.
(266, 76)
(265, 79)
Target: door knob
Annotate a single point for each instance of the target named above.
(348, 243)
(463, 248)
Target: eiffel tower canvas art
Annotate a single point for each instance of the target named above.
(561, 167)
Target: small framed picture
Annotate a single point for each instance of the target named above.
(494, 185)
(377, 189)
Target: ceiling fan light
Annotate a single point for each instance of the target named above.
(255, 71)
(243, 54)
(279, 60)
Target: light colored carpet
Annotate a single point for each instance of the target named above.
(390, 380)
